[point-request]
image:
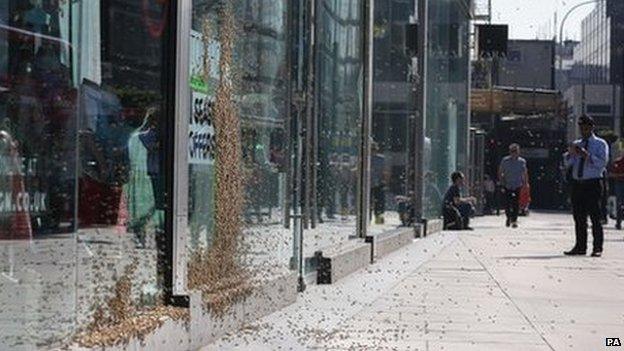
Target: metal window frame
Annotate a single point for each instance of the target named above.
(180, 155)
(419, 126)
(363, 191)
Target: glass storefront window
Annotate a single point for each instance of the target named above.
(82, 130)
(339, 70)
(393, 107)
(447, 116)
(257, 72)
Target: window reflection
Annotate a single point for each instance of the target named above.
(259, 68)
(446, 117)
(339, 75)
(393, 96)
(81, 151)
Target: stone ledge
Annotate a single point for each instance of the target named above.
(419, 230)
(172, 335)
(337, 263)
(202, 329)
(388, 242)
(267, 297)
(434, 226)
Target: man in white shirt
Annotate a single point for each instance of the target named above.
(587, 158)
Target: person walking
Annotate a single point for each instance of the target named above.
(616, 173)
(587, 157)
(513, 175)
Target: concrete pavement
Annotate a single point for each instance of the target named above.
(491, 289)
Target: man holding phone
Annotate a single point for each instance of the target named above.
(587, 158)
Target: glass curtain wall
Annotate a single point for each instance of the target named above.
(238, 140)
(338, 121)
(82, 180)
(393, 107)
(447, 117)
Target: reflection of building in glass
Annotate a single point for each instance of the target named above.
(339, 74)
(393, 105)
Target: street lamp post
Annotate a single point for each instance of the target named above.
(565, 18)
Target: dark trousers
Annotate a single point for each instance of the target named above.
(457, 217)
(604, 199)
(490, 200)
(586, 201)
(378, 197)
(512, 204)
(619, 195)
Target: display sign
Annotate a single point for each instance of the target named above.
(204, 56)
(202, 141)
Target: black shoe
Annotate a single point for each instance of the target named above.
(514, 225)
(507, 223)
(618, 226)
(575, 252)
(469, 228)
(596, 254)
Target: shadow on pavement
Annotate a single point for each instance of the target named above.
(545, 257)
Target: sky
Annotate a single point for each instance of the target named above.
(530, 19)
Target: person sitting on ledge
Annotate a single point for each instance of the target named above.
(457, 210)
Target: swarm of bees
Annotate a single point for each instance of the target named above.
(120, 320)
(217, 272)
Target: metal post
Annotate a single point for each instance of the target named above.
(308, 160)
(367, 118)
(181, 181)
(421, 112)
(297, 99)
(287, 201)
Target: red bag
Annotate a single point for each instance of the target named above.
(525, 197)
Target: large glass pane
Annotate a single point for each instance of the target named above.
(262, 58)
(82, 179)
(121, 131)
(239, 74)
(393, 106)
(446, 146)
(37, 133)
(339, 91)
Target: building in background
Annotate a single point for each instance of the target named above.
(566, 71)
(594, 82)
(529, 64)
(601, 101)
(594, 51)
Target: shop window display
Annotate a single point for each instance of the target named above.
(82, 137)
